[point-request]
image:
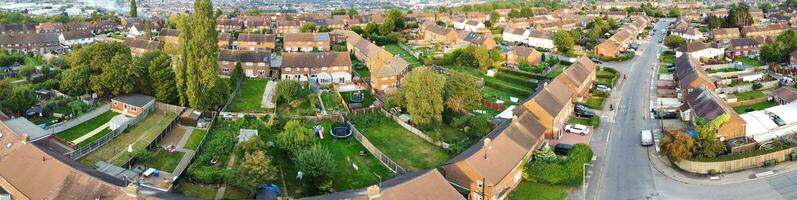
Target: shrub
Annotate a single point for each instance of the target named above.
(295, 137)
(316, 162)
(757, 86)
(770, 162)
(568, 172)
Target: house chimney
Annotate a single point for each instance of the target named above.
(25, 138)
(487, 145)
(374, 192)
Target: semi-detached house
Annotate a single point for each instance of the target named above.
(256, 42)
(71, 38)
(324, 67)
(306, 42)
(255, 63)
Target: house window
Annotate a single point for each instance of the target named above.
(477, 196)
(479, 184)
(133, 108)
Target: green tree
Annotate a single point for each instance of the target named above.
(162, 76)
(563, 41)
(21, 98)
(255, 170)
(295, 137)
(396, 16)
(494, 16)
(237, 74)
(286, 90)
(27, 71)
(738, 16)
(352, 12)
(148, 30)
(707, 144)
(526, 12)
(308, 27)
(773, 52)
(203, 88)
(765, 7)
(75, 81)
(317, 163)
(674, 41)
(423, 90)
(677, 146)
(675, 12)
(545, 155)
(387, 27)
(115, 78)
(371, 28)
(713, 21)
(461, 94)
(133, 9)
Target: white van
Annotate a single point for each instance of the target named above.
(647, 137)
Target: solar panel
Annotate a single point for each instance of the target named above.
(321, 37)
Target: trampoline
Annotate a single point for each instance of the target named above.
(357, 97)
(340, 130)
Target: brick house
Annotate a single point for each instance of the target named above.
(492, 168)
(105, 26)
(306, 42)
(725, 34)
(255, 64)
(288, 26)
(140, 46)
(31, 43)
(433, 33)
(579, 78)
(426, 184)
(465, 38)
(763, 31)
(225, 41)
(132, 104)
(17, 28)
(324, 67)
(743, 47)
(228, 25)
(387, 78)
(50, 28)
(169, 36)
(689, 74)
(518, 53)
(257, 42)
(705, 104)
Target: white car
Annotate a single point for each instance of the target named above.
(603, 88)
(577, 129)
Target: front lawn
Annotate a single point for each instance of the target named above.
(165, 161)
(249, 96)
(528, 190)
(195, 139)
(667, 57)
(594, 121)
(94, 137)
(86, 127)
(750, 61)
(402, 146)
(595, 102)
(196, 190)
(663, 69)
(754, 107)
(743, 96)
(397, 50)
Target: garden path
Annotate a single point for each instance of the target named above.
(268, 95)
(92, 133)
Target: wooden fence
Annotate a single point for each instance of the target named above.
(386, 161)
(153, 145)
(734, 165)
(493, 105)
(748, 102)
(77, 154)
(196, 152)
(415, 131)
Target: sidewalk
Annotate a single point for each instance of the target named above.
(663, 165)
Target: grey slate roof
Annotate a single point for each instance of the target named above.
(137, 100)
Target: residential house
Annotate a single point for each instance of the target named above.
(492, 168)
(306, 42)
(690, 75)
(434, 33)
(691, 15)
(764, 31)
(255, 64)
(257, 23)
(71, 38)
(471, 25)
(31, 42)
(701, 50)
(706, 105)
(229, 25)
(520, 53)
(721, 13)
(29, 171)
(743, 47)
(785, 95)
(519, 23)
(724, 35)
(17, 29)
(579, 78)
(465, 38)
(140, 46)
(540, 39)
(516, 35)
(80, 26)
(50, 28)
(288, 26)
(616, 15)
(323, 67)
(368, 53)
(137, 30)
(551, 106)
(169, 36)
(615, 45)
(225, 41)
(387, 78)
(428, 184)
(689, 34)
(105, 26)
(257, 42)
(132, 105)
(681, 24)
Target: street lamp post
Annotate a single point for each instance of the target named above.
(584, 179)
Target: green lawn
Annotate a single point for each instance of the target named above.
(556, 71)
(368, 99)
(667, 57)
(749, 61)
(165, 161)
(140, 135)
(249, 96)
(86, 127)
(235, 193)
(594, 121)
(663, 69)
(492, 94)
(504, 85)
(537, 191)
(743, 96)
(402, 146)
(195, 139)
(31, 61)
(719, 70)
(331, 101)
(755, 107)
(94, 137)
(196, 190)
(397, 50)
(360, 68)
(595, 102)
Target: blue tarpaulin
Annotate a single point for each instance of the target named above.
(692, 132)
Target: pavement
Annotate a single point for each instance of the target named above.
(623, 169)
(268, 95)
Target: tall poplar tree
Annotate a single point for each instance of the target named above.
(203, 88)
(181, 65)
(133, 9)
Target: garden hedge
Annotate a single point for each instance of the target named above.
(568, 172)
(522, 73)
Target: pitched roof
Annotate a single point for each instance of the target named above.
(16, 28)
(224, 37)
(169, 32)
(421, 185)
(705, 104)
(306, 37)
(693, 47)
(725, 31)
(508, 145)
(256, 38)
(143, 44)
(394, 67)
(788, 94)
(523, 51)
(439, 30)
(316, 59)
(687, 70)
(540, 34)
(35, 38)
(138, 100)
(744, 42)
(74, 35)
(244, 56)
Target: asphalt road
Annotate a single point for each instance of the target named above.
(622, 168)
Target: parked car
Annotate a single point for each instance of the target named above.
(646, 137)
(585, 113)
(562, 149)
(603, 88)
(577, 129)
(597, 61)
(667, 115)
(581, 107)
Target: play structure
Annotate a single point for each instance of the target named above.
(340, 130)
(357, 97)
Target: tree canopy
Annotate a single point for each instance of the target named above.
(423, 92)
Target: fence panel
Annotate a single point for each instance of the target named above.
(390, 164)
(734, 165)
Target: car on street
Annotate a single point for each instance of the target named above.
(597, 61)
(562, 149)
(603, 88)
(646, 137)
(577, 129)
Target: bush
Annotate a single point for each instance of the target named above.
(568, 172)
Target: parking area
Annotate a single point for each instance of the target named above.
(572, 138)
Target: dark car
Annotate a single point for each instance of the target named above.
(562, 149)
(597, 61)
(581, 107)
(585, 113)
(664, 114)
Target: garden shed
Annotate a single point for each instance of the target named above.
(118, 121)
